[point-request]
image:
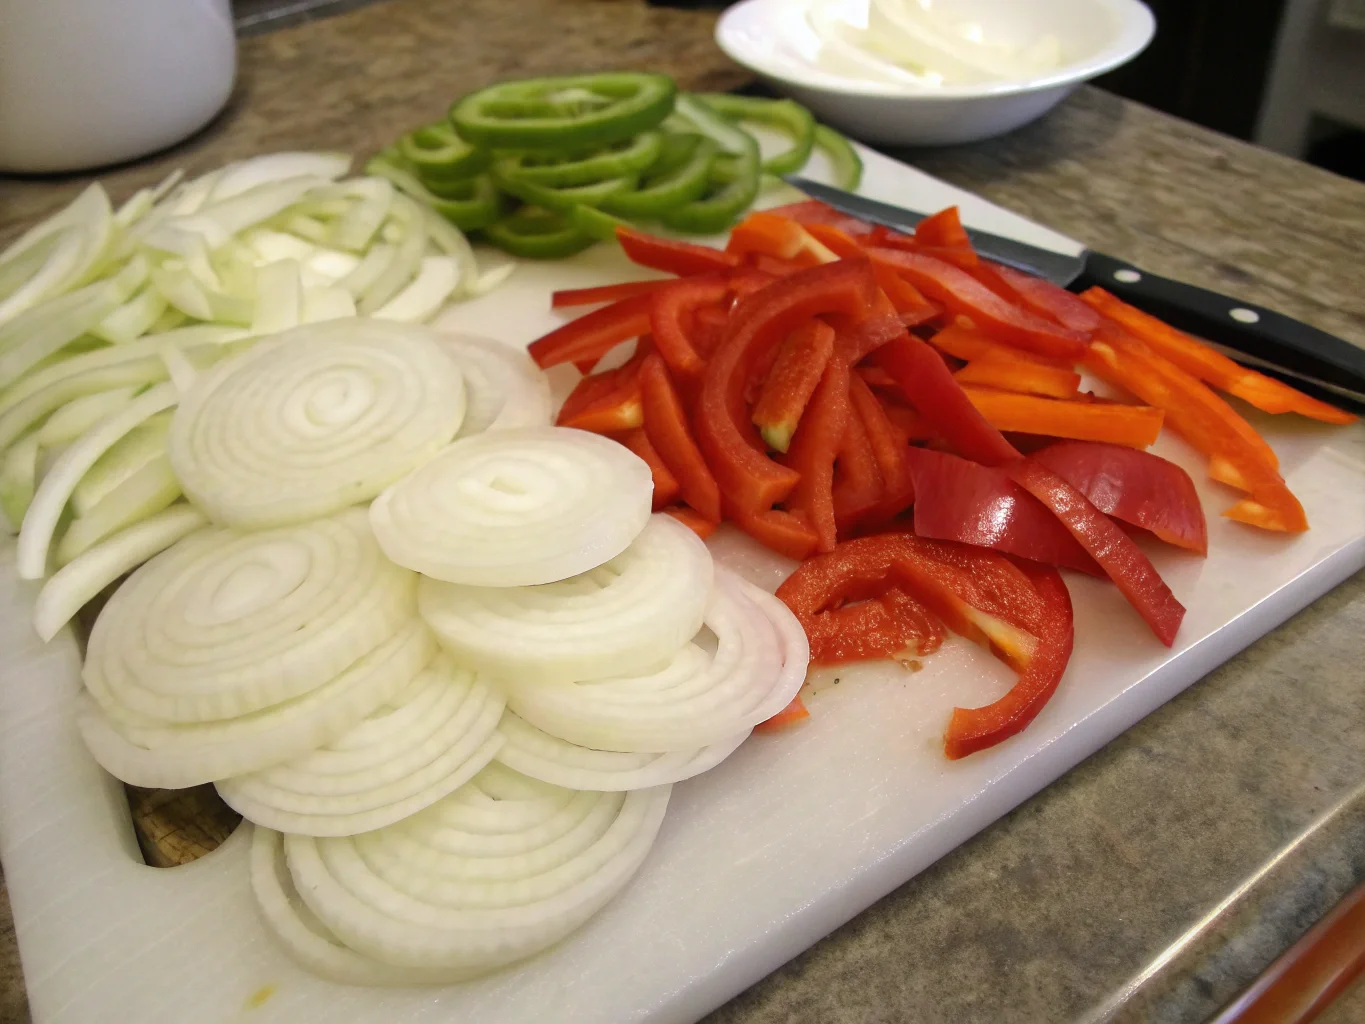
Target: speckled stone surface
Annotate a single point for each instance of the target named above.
(1157, 878)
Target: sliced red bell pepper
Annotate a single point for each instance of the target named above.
(812, 211)
(670, 256)
(604, 293)
(909, 424)
(1115, 551)
(938, 590)
(733, 449)
(1205, 421)
(1038, 294)
(1021, 375)
(772, 266)
(1210, 365)
(944, 232)
(966, 296)
(665, 483)
(814, 448)
(603, 400)
(708, 327)
(961, 339)
(973, 729)
(1135, 486)
(672, 308)
(800, 362)
(888, 449)
(776, 236)
(747, 280)
(693, 520)
(792, 714)
(961, 501)
(665, 422)
(594, 334)
(777, 530)
(875, 377)
(929, 386)
(1134, 425)
(857, 481)
(857, 338)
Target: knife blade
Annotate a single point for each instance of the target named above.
(1260, 335)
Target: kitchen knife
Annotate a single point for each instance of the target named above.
(1266, 338)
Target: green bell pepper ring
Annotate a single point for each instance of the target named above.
(561, 200)
(680, 175)
(629, 157)
(733, 177)
(567, 113)
(437, 154)
(848, 165)
(535, 234)
(787, 116)
(601, 226)
(468, 203)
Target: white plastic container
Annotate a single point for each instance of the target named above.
(84, 83)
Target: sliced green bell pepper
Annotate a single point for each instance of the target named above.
(535, 234)
(788, 116)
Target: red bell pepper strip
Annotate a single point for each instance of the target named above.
(772, 235)
(813, 450)
(791, 381)
(747, 280)
(888, 449)
(603, 293)
(792, 714)
(708, 327)
(927, 582)
(665, 483)
(964, 295)
(1205, 421)
(944, 232)
(1021, 375)
(693, 520)
(929, 386)
(672, 257)
(1115, 551)
(961, 339)
(1210, 365)
(812, 211)
(772, 266)
(973, 729)
(596, 394)
(594, 334)
(858, 484)
(1134, 425)
(733, 449)
(672, 308)
(960, 501)
(1038, 294)
(1135, 486)
(857, 338)
(665, 422)
(784, 532)
(618, 410)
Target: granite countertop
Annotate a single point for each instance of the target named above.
(1156, 879)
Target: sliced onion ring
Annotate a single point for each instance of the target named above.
(516, 508)
(319, 418)
(628, 615)
(501, 869)
(560, 763)
(696, 699)
(407, 754)
(504, 388)
(225, 623)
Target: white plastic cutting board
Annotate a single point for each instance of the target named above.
(757, 859)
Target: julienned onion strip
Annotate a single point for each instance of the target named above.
(40, 521)
(161, 755)
(417, 748)
(536, 753)
(627, 615)
(313, 420)
(504, 388)
(438, 891)
(83, 577)
(225, 624)
(695, 699)
(516, 508)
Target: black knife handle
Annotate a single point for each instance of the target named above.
(1255, 330)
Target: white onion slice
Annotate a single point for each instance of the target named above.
(502, 868)
(436, 280)
(372, 199)
(270, 167)
(410, 231)
(326, 303)
(536, 753)
(133, 319)
(144, 493)
(504, 388)
(306, 938)
(27, 411)
(227, 623)
(696, 699)
(628, 615)
(141, 445)
(145, 752)
(419, 747)
(279, 297)
(516, 508)
(40, 521)
(19, 479)
(67, 590)
(319, 418)
(80, 414)
(56, 254)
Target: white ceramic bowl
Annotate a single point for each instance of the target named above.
(773, 39)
